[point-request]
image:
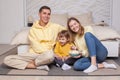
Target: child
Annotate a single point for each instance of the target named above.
(61, 50)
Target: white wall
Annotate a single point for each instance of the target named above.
(116, 15)
(101, 9)
(11, 19)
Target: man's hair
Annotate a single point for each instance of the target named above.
(44, 7)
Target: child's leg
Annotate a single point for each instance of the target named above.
(58, 62)
(71, 61)
(66, 67)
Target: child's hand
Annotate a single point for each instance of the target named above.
(65, 58)
(58, 57)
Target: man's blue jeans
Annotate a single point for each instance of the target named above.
(95, 48)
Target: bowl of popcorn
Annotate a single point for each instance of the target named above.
(74, 53)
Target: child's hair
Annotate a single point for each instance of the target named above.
(64, 33)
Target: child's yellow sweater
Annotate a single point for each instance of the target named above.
(62, 51)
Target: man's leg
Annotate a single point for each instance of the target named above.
(20, 61)
(45, 58)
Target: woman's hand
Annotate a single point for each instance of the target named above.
(74, 48)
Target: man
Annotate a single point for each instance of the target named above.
(42, 38)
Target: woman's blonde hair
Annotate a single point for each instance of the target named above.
(73, 34)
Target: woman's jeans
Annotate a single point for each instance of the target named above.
(95, 48)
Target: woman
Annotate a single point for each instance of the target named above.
(93, 51)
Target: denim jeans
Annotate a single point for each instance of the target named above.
(95, 48)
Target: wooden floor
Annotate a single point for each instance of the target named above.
(59, 77)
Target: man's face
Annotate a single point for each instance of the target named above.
(45, 15)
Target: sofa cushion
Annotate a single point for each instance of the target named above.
(21, 37)
(59, 19)
(85, 18)
(21, 49)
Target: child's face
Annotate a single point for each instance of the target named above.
(63, 40)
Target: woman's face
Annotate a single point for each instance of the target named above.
(74, 26)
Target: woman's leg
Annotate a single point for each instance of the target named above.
(97, 51)
(82, 64)
(95, 47)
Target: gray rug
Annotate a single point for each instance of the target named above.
(55, 71)
(6, 50)
(100, 72)
(5, 70)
